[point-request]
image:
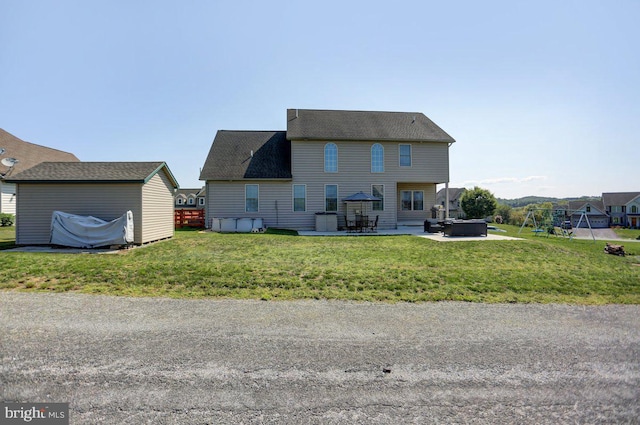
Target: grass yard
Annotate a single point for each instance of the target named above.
(628, 233)
(7, 237)
(379, 268)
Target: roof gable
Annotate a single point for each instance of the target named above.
(189, 192)
(236, 155)
(311, 124)
(93, 172)
(28, 154)
(578, 206)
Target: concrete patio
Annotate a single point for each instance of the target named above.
(412, 230)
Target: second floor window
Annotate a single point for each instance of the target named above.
(251, 192)
(405, 155)
(330, 158)
(377, 158)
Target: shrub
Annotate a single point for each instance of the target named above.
(6, 219)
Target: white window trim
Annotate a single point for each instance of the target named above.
(293, 198)
(245, 197)
(324, 157)
(337, 196)
(381, 147)
(410, 155)
(383, 196)
(412, 205)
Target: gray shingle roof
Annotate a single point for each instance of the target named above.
(312, 124)
(618, 198)
(28, 154)
(580, 205)
(187, 192)
(92, 172)
(230, 156)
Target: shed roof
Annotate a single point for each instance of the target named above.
(28, 154)
(238, 155)
(314, 124)
(92, 172)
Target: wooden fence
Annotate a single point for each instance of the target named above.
(189, 218)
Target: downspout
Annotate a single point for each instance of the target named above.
(446, 201)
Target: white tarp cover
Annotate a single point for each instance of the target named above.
(90, 232)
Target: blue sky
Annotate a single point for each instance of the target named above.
(543, 98)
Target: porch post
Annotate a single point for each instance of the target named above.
(446, 201)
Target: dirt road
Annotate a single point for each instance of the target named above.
(163, 361)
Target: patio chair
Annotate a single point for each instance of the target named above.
(373, 225)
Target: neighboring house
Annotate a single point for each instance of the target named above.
(190, 198)
(455, 210)
(286, 177)
(623, 208)
(593, 210)
(105, 190)
(27, 155)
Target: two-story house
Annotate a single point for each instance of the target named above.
(324, 156)
(454, 196)
(623, 208)
(593, 211)
(189, 198)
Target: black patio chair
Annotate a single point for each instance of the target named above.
(373, 226)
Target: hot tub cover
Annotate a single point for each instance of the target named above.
(90, 232)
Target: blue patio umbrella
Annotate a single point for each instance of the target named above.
(362, 198)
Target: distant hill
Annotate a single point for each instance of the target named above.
(527, 200)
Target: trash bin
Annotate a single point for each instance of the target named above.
(326, 222)
(332, 222)
(321, 222)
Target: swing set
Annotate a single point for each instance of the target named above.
(550, 217)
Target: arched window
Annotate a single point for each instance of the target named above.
(377, 158)
(330, 158)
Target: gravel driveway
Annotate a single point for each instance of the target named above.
(124, 360)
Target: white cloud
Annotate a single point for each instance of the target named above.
(498, 181)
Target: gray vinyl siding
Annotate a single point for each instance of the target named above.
(36, 203)
(430, 161)
(157, 209)
(429, 201)
(430, 165)
(7, 198)
(226, 200)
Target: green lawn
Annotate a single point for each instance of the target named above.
(7, 237)
(628, 233)
(378, 268)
